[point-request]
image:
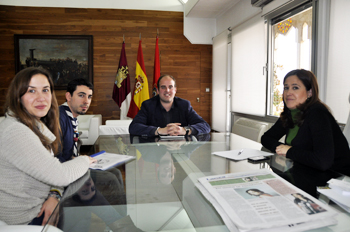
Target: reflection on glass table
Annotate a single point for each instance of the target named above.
(156, 190)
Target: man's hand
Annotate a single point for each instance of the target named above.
(172, 129)
(175, 129)
(48, 207)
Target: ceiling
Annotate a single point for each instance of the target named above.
(211, 8)
(202, 9)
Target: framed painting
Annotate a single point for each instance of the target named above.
(66, 56)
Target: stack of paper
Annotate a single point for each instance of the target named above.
(338, 192)
(242, 154)
(107, 160)
(262, 201)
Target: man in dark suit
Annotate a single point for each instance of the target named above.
(166, 114)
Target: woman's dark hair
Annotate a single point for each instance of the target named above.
(310, 82)
(255, 190)
(13, 106)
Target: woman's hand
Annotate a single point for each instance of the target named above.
(92, 160)
(282, 149)
(48, 207)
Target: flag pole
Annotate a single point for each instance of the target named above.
(156, 68)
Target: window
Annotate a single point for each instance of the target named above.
(290, 44)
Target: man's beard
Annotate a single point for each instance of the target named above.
(166, 101)
(81, 112)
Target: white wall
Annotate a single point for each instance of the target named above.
(238, 14)
(199, 30)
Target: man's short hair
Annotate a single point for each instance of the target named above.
(72, 85)
(166, 75)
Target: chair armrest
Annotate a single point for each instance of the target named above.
(95, 122)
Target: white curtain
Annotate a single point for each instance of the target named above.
(219, 85)
(338, 76)
(248, 83)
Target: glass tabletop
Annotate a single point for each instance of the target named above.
(156, 190)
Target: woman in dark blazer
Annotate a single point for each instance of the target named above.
(314, 140)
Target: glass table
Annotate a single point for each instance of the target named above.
(156, 190)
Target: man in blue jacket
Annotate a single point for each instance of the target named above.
(78, 96)
(166, 114)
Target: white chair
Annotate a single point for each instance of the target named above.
(249, 128)
(115, 127)
(346, 130)
(89, 128)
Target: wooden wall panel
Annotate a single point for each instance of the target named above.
(189, 64)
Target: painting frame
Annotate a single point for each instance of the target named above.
(66, 56)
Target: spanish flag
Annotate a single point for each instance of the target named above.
(141, 85)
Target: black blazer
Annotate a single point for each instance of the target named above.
(319, 143)
(150, 117)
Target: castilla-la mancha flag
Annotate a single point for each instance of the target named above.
(141, 85)
(121, 90)
(156, 73)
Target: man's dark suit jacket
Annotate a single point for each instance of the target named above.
(150, 117)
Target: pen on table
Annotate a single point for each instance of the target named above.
(240, 152)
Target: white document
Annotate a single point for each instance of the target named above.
(341, 185)
(262, 201)
(343, 200)
(241, 154)
(339, 192)
(107, 160)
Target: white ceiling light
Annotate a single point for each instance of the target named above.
(183, 2)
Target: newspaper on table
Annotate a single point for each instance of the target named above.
(107, 160)
(262, 201)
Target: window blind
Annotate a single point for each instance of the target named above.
(219, 82)
(248, 83)
(338, 81)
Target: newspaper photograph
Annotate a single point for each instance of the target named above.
(261, 199)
